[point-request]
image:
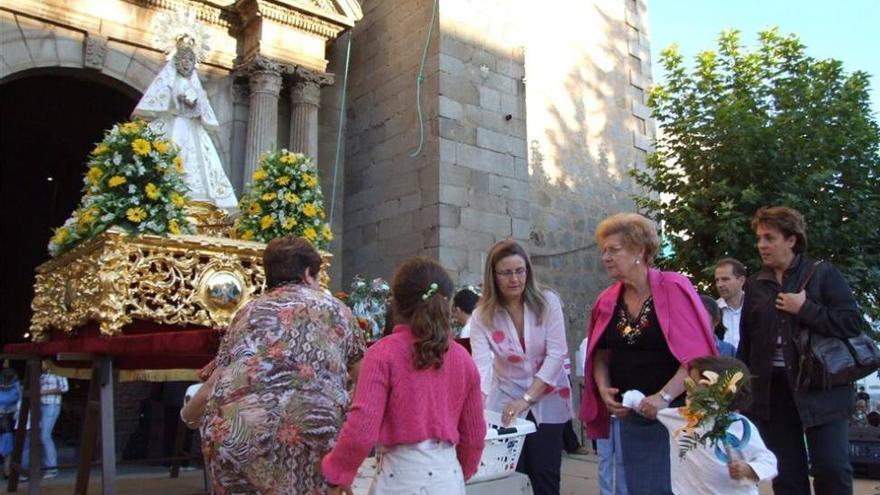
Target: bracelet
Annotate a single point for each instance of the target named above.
(528, 398)
(665, 396)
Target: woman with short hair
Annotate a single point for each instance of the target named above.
(792, 296)
(281, 385)
(644, 330)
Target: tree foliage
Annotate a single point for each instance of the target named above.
(746, 128)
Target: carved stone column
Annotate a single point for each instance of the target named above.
(305, 99)
(264, 78)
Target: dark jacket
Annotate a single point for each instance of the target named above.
(829, 309)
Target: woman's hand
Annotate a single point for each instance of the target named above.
(651, 404)
(740, 470)
(512, 410)
(609, 397)
(791, 302)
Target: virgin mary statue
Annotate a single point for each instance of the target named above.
(176, 105)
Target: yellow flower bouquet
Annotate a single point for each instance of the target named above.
(135, 180)
(284, 198)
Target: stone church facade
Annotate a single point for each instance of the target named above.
(532, 115)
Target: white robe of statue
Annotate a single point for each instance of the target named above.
(176, 105)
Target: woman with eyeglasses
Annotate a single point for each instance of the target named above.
(521, 324)
(644, 330)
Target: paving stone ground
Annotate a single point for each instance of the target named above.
(578, 478)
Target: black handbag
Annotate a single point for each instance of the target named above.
(827, 362)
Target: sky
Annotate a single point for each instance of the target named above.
(846, 30)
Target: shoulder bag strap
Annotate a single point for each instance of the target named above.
(809, 275)
(803, 339)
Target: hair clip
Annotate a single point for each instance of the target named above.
(430, 292)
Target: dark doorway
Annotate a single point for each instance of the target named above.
(49, 122)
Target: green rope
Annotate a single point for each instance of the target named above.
(339, 128)
(420, 79)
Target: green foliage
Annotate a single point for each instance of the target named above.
(769, 126)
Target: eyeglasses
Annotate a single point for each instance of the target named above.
(519, 272)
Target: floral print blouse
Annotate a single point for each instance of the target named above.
(282, 395)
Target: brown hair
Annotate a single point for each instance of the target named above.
(786, 220)
(491, 301)
(720, 364)
(739, 270)
(420, 296)
(635, 231)
(286, 258)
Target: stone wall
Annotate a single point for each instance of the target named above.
(391, 198)
(540, 115)
(484, 182)
(588, 126)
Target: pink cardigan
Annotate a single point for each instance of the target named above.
(395, 404)
(683, 320)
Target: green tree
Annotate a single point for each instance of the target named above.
(768, 126)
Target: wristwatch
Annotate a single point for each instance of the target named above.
(665, 396)
(528, 398)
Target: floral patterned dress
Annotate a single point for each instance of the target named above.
(281, 398)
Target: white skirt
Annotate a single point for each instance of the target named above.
(425, 468)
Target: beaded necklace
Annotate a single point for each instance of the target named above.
(631, 329)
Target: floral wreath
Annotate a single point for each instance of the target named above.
(135, 181)
(284, 198)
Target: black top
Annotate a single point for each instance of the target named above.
(640, 357)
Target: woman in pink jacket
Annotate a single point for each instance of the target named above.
(417, 396)
(644, 329)
(518, 343)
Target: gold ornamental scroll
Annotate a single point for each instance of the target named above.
(116, 278)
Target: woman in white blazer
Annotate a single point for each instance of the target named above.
(518, 342)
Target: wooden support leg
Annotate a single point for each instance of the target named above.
(179, 438)
(108, 437)
(89, 433)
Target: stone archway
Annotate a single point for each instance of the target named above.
(31, 44)
(51, 119)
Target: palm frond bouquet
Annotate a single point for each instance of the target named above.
(284, 198)
(709, 413)
(135, 181)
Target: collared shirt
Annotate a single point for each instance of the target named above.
(48, 381)
(730, 320)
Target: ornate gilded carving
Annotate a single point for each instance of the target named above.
(179, 280)
(208, 219)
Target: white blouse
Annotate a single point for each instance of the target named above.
(515, 368)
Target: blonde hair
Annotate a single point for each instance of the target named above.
(635, 231)
(492, 299)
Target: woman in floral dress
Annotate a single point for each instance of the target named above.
(281, 392)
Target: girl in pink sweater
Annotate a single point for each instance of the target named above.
(417, 397)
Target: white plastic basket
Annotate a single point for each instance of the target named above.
(501, 452)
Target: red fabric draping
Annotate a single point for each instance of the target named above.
(143, 345)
